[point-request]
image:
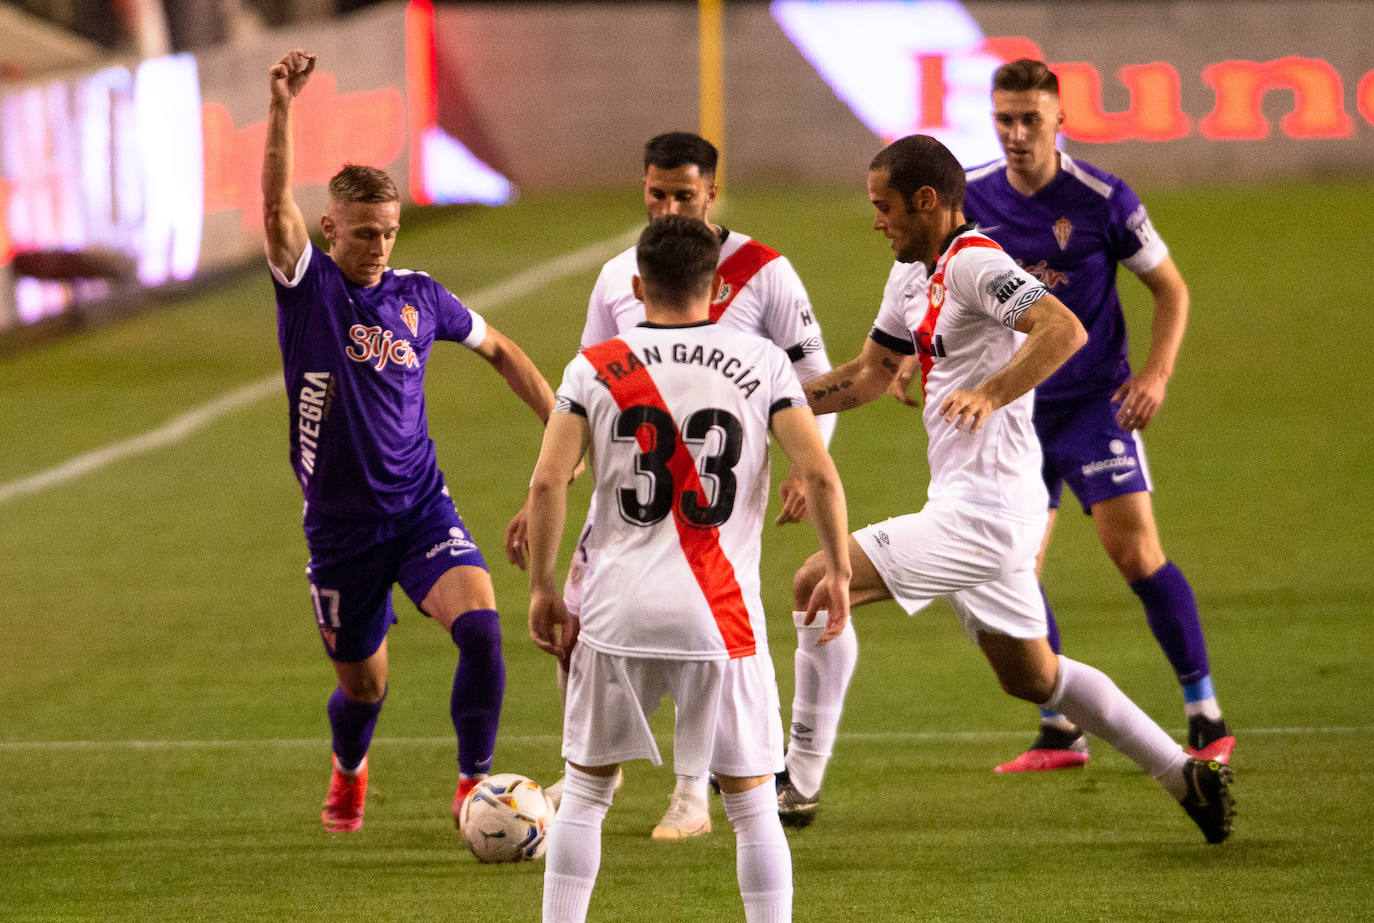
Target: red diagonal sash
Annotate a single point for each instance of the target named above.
(632, 385)
(735, 272)
(935, 295)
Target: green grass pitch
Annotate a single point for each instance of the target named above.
(163, 743)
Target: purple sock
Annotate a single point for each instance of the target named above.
(478, 686)
(1050, 623)
(352, 722)
(1171, 610)
(1053, 637)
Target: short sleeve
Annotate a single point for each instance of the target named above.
(456, 321)
(571, 396)
(989, 278)
(1135, 242)
(790, 321)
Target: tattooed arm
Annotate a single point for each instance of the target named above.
(858, 381)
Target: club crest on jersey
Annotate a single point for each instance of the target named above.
(412, 319)
(937, 294)
(380, 348)
(1062, 229)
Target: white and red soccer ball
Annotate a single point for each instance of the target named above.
(505, 818)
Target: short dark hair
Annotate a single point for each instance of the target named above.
(920, 160)
(675, 149)
(357, 183)
(677, 258)
(1024, 75)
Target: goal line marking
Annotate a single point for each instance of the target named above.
(860, 736)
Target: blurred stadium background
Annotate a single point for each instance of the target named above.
(163, 736)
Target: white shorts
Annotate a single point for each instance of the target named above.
(983, 562)
(727, 712)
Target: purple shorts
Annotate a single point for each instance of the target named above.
(1085, 448)
(354, 564)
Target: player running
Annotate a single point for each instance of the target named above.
(986, 333)
(1070, 224)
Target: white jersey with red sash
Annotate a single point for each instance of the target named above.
(961, 320)
(760, 293)
(679, 446)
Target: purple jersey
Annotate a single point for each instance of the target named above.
(1070, 235)
(354, 360)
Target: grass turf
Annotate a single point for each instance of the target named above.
(164, 746)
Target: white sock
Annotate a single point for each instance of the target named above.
(573, 856)
(1093, 702)
(1207, 708)
(693, 789)
(822, 676)
(763, 862)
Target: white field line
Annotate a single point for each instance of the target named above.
(13, 746)
(185, 424)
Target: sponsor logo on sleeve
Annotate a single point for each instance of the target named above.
(1004, 285)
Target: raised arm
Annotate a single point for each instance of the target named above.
(518, 371)
(565, 439)
(858, 381)
(800, 440)
(287, 234)
(1053, 334)
(1142, 394)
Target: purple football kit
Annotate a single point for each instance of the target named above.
(377, 511)
(1071, 235)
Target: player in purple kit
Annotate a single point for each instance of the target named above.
(355, 337)
(1069, 224)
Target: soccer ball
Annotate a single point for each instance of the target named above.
(504, 818)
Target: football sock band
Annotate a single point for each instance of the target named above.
(479, 683)
(693, 789)
(573, 856)
(351, 724)
(1171, 611)
(1049, 715)
(1090, 699)
(1199, 699)
(763, 862)
(822, 678)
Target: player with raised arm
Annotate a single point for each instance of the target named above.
(760, 293)
(986, 333)
(676, 413)
(355, 338)
(1070, 224)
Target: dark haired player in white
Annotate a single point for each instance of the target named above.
(1070, 224)
(676, 413)
(760, 293)
(985, 333)
(355, 338)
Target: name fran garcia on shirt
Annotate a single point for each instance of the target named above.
(736, 370)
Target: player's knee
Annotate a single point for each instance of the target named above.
(364, 688)
(477, 632)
